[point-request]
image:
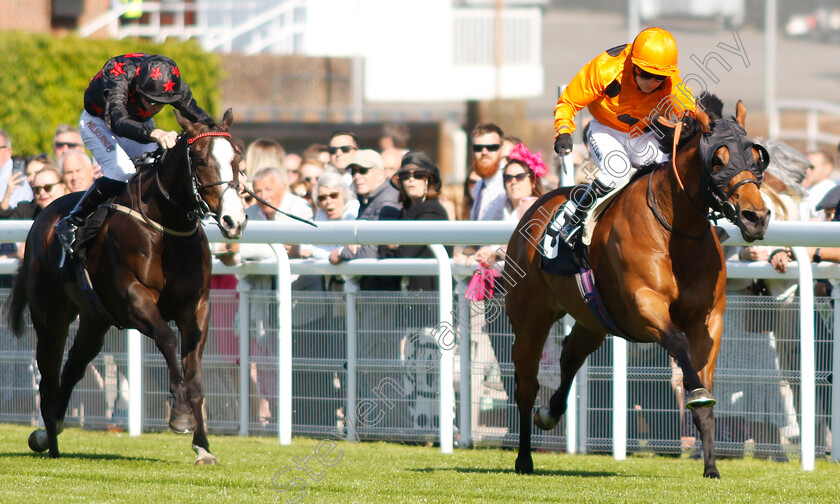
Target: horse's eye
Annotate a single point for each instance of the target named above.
(717, 161)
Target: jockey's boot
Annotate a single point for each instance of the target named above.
(102, 189)
(574, 212)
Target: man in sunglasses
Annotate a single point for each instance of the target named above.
(489, 192)
(378, 200)
(117, 125)
(625, 89)
(66, 139)
(342, 149)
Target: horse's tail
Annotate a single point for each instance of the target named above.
(15, 304)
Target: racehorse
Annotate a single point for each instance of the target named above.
(659, 268)
(149, 264)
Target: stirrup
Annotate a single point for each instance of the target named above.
(65, 231)
(569, 234)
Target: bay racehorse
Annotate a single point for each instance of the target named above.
(659, 268)
(149, 264)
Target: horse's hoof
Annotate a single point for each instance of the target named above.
(711, 473)
(38, 440)
(204, 457)
(544, 420)
(524, 465)
(183, 424)
(208, 460)
(699, 398)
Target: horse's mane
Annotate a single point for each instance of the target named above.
(711, 105)
(708, 103)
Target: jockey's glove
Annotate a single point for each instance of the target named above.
(563, 144)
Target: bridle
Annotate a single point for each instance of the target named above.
(713, 185)
(198, 207)
(197, 186)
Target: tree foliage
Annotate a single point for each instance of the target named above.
(43, 80)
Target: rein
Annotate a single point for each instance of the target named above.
(652, 201)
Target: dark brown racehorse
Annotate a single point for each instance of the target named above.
(148, 268)
(659, 268)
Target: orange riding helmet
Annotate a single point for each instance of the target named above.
(655, 51)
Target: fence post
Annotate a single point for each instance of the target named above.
(447, 350)
(835, 370)
(244, 291)
(135, 382)
(284, 345)
(465, 344)
(572, 414)
(807, 353)
(619, 413)
(351, 287)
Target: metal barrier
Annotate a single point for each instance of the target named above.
(373, 382)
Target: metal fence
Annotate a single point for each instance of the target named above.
(756, 381)
(375, 364)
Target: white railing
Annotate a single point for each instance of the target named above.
(251, 26)
(797, 235)
(813, 134)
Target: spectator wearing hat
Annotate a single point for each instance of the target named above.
(378, 200)
(418, 182)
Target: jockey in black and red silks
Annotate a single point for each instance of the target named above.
(117, 125)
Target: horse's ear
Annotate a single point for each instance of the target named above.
(740, 113)
(185, 124)
(703, 119)
(227, 120)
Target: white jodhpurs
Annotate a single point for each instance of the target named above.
(618, 154)
(114, 154)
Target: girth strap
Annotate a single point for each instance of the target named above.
(154, 225)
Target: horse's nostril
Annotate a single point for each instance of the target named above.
(227, 221)
(749, 216)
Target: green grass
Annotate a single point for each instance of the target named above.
(105, 467)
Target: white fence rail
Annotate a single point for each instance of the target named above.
(813, 134)
(797, 235)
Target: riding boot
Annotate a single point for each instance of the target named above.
(574, 212)
(102, 189)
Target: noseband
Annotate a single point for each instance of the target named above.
(714, 184)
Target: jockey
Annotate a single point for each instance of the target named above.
(117, 125)
(626, 89)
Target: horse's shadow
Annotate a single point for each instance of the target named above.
(554, 472)
(82, 456)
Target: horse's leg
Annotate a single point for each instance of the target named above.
(145, 316)
(530, 326)
(86, 346)
(49, 352)
(576, 348)
(193, 328)
(704, 343)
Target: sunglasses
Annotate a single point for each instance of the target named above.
(72, 145)
(359, 170)
(344, 148)
(46, 188)
(333, 196)
(647, 75)
(519, 177)
(490, 147)
(416, 175)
